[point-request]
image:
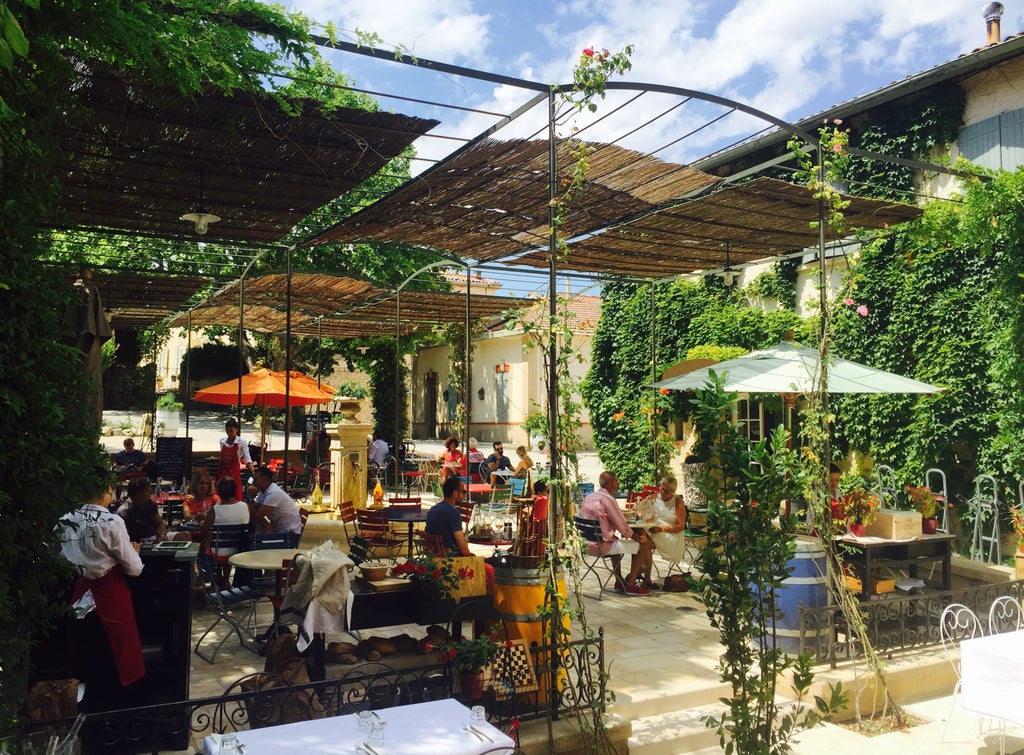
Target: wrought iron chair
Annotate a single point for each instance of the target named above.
(985, 506)
(224, 603)
(1005, 615)
(957, 623)
(590, 531)
(887, 485)
(935, 481)
(263, 699)
(370, 686)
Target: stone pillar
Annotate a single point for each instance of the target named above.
(348, 455)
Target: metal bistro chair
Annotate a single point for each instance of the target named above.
(887, 485)
(1005, 615)
(935, 481)
(985, 506)
(370, 686)
(956, 624)
(590, 531)
(224, 603)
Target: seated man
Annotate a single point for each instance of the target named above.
(616, 535)
(498, 465)
(274, 510)
(443, 519)
(130, 459)
(318, 449)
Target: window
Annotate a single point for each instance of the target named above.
(996, 142)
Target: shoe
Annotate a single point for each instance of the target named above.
(652, 585)
(637, 590)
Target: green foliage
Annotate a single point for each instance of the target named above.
(779, 283)
(718, 353)
(211, 360)
(744, 563)
(910, 130)
(686, 316)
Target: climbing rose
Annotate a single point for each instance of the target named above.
(588, 51)
(848, 301)
(862, 311)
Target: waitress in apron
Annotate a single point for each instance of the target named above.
(106, 652)
(233, 451)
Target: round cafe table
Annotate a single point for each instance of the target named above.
(266, 559)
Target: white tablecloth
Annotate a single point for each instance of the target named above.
(432, 728)
(992, 669)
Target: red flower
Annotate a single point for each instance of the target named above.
(435, 574)
(665, 391)
(421, 570)
(509, 644)
(428, 647)
(588, 51)
(514, 724)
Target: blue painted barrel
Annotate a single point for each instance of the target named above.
(807, 585)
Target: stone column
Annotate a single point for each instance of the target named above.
(348, 456)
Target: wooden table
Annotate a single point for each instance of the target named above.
(870, 553)
(435, 727)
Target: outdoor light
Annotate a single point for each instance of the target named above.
(728, 274)
(202, 218)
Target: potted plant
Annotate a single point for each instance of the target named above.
(924, 502)
(471, 656)
(167, 408)
(434, 581)
(861, 509)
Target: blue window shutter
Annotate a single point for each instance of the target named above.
(979, 143)
(1011, 132)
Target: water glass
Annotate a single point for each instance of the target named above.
(377, 730)
(479, 714)
(366, 719)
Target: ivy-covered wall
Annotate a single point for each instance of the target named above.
(686, 315)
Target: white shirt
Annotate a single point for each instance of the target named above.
(240, 445)
(230, 513)
(285, 515)
(96, 541)
(378, 450)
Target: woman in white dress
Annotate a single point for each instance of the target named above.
(663, 515)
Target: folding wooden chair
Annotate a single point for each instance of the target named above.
(373, 527)
(428, 544)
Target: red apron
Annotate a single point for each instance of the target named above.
(229, 467)
(114, 606)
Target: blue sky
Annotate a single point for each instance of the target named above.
(791, 58)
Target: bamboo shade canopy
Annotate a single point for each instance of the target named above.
(338, 307)
(491, 199)
(759, 219)
(132, 159)
(140, 299)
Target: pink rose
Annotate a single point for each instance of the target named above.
(848, 301)
(837, 147)
(588, 51)
(862, 311)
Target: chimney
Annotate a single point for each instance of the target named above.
(993, 12)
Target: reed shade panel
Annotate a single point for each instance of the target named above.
(759, 219)
(132, 157)
(491, 200)
(140, 299)
(339, 307)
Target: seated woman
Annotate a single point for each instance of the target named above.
(663, 515)
(140, 514)
(451, 459)
(228, 510)
(525, 464)
(200, 496)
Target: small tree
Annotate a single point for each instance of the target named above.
(744, 562)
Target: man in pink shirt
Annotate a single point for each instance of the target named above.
(616, 535)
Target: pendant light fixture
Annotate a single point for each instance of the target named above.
(729, 274)
(202, 218)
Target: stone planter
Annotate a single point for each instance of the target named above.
(170, 421)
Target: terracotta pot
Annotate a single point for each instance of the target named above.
(929, 526)
(858, 529)
(472, 685)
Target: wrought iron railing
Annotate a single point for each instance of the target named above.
(577, 675)
(893, 624)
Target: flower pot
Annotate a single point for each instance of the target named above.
(929, 526)
(472, 685)
(436, 611)
(858, 529)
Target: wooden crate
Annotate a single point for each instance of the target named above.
(468, 588)
(895, 525)
(878, 587)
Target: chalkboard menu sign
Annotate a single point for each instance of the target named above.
(174, 458)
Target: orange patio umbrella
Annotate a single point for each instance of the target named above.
(263, 387)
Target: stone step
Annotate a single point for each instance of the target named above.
(666, 697)
(674, 732)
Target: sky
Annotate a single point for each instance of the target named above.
(790, 58)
